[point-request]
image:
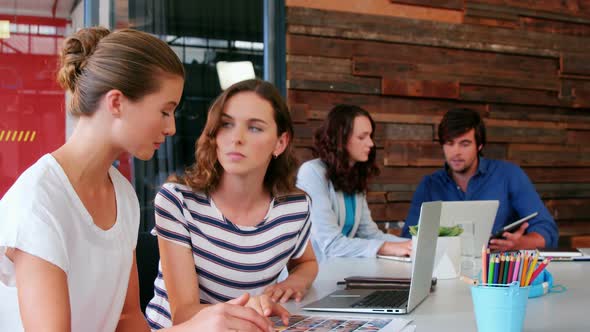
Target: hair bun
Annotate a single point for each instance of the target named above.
(75, 53)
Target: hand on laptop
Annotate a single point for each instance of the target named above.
(396, 248)
(265, 306)
(510, 241)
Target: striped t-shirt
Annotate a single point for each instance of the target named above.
(229, 259)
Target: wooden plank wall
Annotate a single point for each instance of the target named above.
(523, 64)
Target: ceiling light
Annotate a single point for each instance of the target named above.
(234, 72)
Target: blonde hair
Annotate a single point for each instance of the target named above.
(95, 60)
(205, 173)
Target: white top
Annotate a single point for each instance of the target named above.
(42, 215)
(229, 259)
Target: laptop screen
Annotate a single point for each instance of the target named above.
(423, 258)
(476, 218)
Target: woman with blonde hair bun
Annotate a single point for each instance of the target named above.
(69, 224)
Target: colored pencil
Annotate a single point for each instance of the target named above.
(532, 268)
(496, 267)
(501, 270)
(516, 268)
(506, 267)
(491, 270)
(525, 266)
(469, 280)
(484, 265)
(522, 254)
(539, 269)
(510, 270)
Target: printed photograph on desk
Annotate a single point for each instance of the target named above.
(302, 323)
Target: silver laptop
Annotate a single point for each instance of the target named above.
(398, 301)
(477, 219)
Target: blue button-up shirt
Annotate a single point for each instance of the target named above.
(493, 180)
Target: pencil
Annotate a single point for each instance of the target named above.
(496, 267)
(491, 270)
(510, 269)
(516, 268)
(484, 265)
(532, 267)
(539, 269)
(520, 267)
(469, 280)
(501, 271)
(525, 266)
(506, 267)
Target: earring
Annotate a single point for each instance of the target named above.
(275, 156)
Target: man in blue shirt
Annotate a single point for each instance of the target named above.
(467, 175)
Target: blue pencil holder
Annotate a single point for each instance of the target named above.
(500, 307)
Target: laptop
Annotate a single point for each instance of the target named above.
(398, 301)
(477, 219)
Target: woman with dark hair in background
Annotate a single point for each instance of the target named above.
(337, 183)
(69, 224)
(235, 219)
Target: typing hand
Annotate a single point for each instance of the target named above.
(265, 306)
(293, 287)
(511, 241)
(396, 248)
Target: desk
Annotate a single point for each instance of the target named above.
(449, 307)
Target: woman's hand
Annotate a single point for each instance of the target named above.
(231, 316)
(265, 306)
(292, 287)
(396, 248)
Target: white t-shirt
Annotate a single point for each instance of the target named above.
(41, 214)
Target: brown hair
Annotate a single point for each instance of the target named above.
(457, 122)
(95, 60)
(330, 146)
(205, 173)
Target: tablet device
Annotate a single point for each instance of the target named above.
(514, 226)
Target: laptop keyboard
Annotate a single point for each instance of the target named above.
(383, 299)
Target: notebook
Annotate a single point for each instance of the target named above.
(566, 254)
(406, 259)
(399, 301)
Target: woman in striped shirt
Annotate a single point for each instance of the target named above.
(235, 219)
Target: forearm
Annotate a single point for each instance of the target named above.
(355, 247)
(304, 272)
(547, 229)
(185, 312)
(132, 322)
(532, 240)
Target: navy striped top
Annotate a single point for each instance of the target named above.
(229, 259)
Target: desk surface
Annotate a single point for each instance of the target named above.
(449, 307)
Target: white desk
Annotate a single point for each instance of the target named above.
(450, 308)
